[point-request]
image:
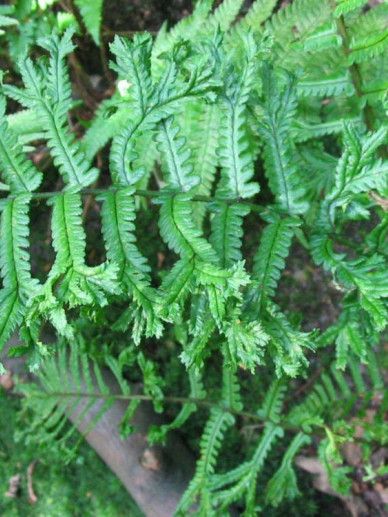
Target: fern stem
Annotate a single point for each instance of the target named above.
(169, 399)
(185, 400)
(151, 194)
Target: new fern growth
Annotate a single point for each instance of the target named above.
(217, 143)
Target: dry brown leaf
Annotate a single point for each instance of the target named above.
(6, 381)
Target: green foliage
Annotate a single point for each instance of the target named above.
(91, 12)
(218, 113)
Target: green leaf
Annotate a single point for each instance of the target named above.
(269, 260)
(91, 12)
(345, 6)
(18, 172)
(235, 157)
(283, 484)
(245, 344)
(279, 108)
(18, 285)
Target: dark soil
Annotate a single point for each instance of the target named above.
(148, 14)
(144, 14)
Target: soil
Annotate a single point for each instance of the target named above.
(148, 14)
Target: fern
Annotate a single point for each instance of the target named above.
(5, 19)
(281, 173)
(237, 168)
(227, 232)
(118, 215)
(71, 386)
(283, 484)
(243, 478)
(133, 65)
(80, 283)
(270, 258)
(368, 47)
(210, 445)
(326, 87)
(218, 114)
(258, 13)
(91, 13)
(52, 99)
(345, 6)
(19, 173)
(18, 285)
(332, 394)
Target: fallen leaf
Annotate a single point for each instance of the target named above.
(6, 381)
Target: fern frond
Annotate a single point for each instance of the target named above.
(303, 130)
(290, 344)
(25, 125)
(178, 168)
(177, 284)
(132, 63)
(211, 441)
(271, 408)
(50, 97)
(346, 6)
(355, 174)
(335, 394)
(246, 343)
(279, 108)
(269, 260)
(283, 484)
(324, 37)
(200, 123)
(373, 20)
(18, 285)
(231, 388)
(368, 47)
(299, 18)
(71, 386)
(118, 216)
(197, 391)
(91, 12)
(167, 95)
(18, 172)
(243, 478)
(349, 340)
(369, 278)
(180, 233)
(257, 14)
(5, 19)
(326, 87)
(185, 29)
(227, 232)
(12, 313)
(80, 284)
(224, 15)
(58, 85)
(235, 159)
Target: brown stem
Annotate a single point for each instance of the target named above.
(81, 79)
(32, 498)
(128, 33)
